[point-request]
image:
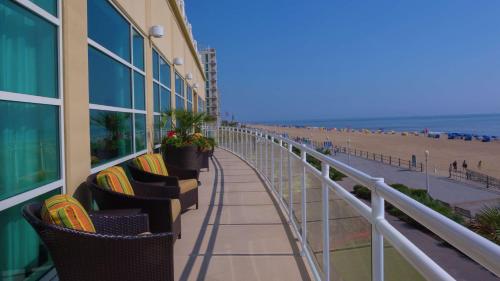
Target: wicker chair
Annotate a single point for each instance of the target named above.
(114, 252)
(152, 199)
(175, 180)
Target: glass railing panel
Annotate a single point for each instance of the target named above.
(297, 173)
(350, 242)
(396, 267)
(286, 177)
(314, 217)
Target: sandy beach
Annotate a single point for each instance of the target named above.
(442, 151)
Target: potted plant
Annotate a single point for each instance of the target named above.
(185, 146)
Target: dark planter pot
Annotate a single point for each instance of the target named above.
(205, 164)
(186, 157)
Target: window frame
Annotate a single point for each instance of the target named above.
(133, 69)
(160, 86)
(39, 100)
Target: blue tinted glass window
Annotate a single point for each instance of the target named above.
(179, 85)
(164, 73)
(107, 27)
(140, 132)
(189, 106)
(29, 147)
(189, 93)
(138, 49)
(24, 256)
(139, 98)
(28, 52)
(165, 99)
(156, 96)
(155, 65)
(157, 131)
(48, 5)
(179, 102)
(110, 136)
(109, 81)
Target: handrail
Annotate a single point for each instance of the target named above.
(473, 245)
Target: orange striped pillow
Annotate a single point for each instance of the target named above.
(115, 179)
(151, 163)
(64, 210)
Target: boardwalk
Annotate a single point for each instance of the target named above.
(237, 232)
(455, 193)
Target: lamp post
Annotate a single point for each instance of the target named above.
(427, 171)
(349, 151)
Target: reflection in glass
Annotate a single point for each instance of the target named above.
(29, 147)
(110, 136)
(139, 97)
(28, 52)
(109, 81)
(140, 132)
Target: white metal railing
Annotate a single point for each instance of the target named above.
(258, 149)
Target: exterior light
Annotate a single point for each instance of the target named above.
(195, 86)
(157, 31)
(178, 61)
(189, 76)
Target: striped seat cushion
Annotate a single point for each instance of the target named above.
(151, 163)
(116, 180)
(65, 211)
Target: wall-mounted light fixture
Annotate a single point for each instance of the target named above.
(157, 31)
(178, 61)
(189, 76)
(195, 86)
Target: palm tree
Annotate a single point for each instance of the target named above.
(185, 123)
(487, 223)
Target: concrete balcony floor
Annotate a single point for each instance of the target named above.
(237, 233)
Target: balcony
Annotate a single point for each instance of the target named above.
(237, 233)
(343, 237)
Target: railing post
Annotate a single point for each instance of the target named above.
(272, 164)
(266, 170)
(281, 169)
(378, 213)
(246, 144)
(290, 182)
(325, 172)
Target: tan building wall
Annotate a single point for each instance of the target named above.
(143, 14)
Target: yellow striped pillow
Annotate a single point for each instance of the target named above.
(151, 163)
(115, 179)
(64, 210)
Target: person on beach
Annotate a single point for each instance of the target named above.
(455, 165)
(450, 169)
(464, 165)
(479, 165)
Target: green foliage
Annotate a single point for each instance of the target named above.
(186, 127)
(487, 223)
(422, 197)
(362, 192)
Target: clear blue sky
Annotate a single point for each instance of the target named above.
(290, 59)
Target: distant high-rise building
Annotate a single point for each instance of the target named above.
(209, 59)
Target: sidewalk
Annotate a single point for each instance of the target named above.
(459, 194)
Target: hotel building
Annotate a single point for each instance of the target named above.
(82, 86)
(209, 59)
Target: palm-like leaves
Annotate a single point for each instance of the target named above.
(487, 223)
(185, 123)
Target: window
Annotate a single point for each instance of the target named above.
(116, 85)
(201, 106)
(189, 98)
(162, 96)
(179, 92)
(30, 131)
(28, 52)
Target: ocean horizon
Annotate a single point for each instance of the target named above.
(479, 124)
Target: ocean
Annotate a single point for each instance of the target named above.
(484, 124)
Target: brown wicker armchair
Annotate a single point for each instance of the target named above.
(152, 199)
(183, 182)
(114, 252)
